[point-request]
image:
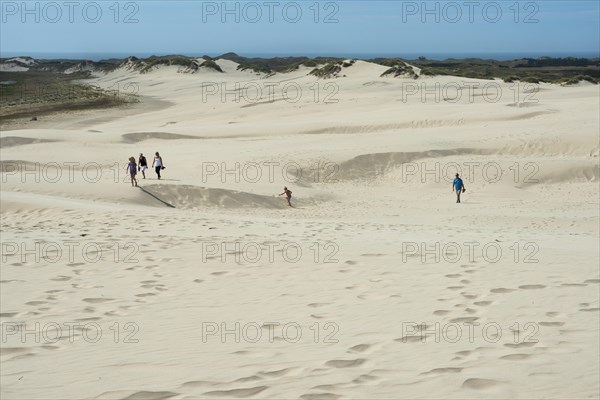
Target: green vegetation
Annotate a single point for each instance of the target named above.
(427, 72)
(328, 71)
(150, 63)
(277, 64)
(332, 68)
(544, 69)
(580, 78)
(35, 93)
(400, 70)
(212, 65)
(258, 68)
(551, 70)
(388, 62)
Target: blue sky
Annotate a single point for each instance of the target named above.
(340, 27)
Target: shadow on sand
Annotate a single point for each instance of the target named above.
(154, 196)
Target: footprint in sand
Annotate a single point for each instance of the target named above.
(448, 370)
(317, 305)
(345, 363)
(320, 396)
(532, 287)
(441, 312)
(115, 313)
(516, 357)
(147, 395)
(412, 338)
(196, 384)
(502, 290)
(359, 348)
(276, 373)
(552, 323)
(466, 320)
(483, 303)
(145, 294)
(8, 351)
(96, 300)
(9, 314)
(148, 286)
(480, 384)
(251, 378)
(240, 393)
(520, 345)
(61, 278)
(364, 378)
(36, 303)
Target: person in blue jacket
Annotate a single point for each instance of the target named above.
(458, 186)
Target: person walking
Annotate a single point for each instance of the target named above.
(158, 164)
(458, 186)
(132, 168)
(142, 165)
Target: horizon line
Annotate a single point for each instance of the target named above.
(505, 56)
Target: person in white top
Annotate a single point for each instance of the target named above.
(158, 164)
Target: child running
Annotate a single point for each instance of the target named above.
(288, 194)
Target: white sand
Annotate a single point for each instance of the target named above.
(367, 212)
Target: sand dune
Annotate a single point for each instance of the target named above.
(205, 284)
(10, 141)
(186, 197)
(141, 136)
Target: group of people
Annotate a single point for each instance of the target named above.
(458, 185)
(142, 166)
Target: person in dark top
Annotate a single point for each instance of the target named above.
(459, 186)
(143, 165)
(288, 194)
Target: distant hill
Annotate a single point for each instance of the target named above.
(544, 69)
